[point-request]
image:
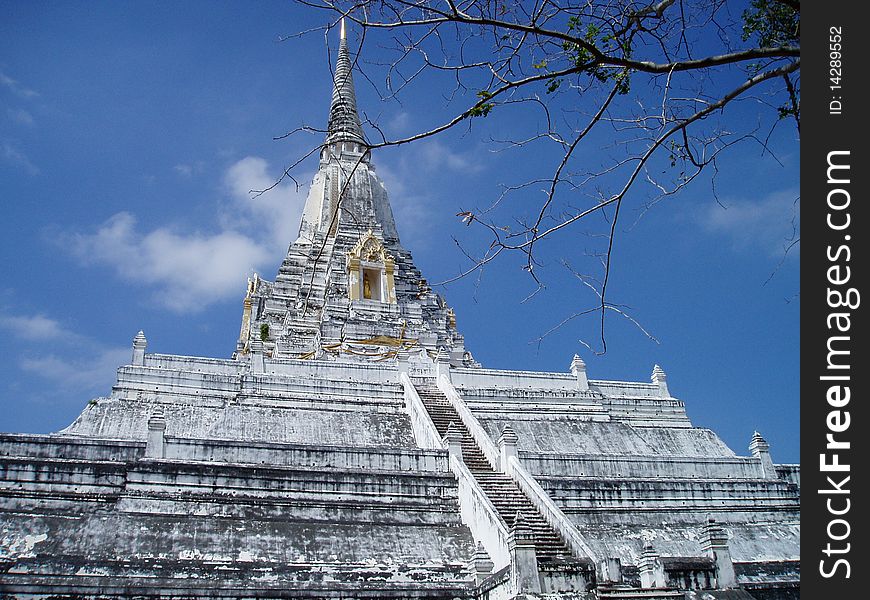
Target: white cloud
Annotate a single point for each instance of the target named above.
(75, 363)
(399, 124)
(410, 209)
(35, 328)
(90, 371)
(16, 88)
(190, 270)
(412, 179)
(770, 223)
(188, 170)
(277, 211)
(437, 156)
(20, 116)
(14, 156)
(248, 175)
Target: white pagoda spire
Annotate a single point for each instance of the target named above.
(344, 123)
(346, 192)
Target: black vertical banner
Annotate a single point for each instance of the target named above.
(834, 426)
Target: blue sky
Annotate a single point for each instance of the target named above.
(130, 134)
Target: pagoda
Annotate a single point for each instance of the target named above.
(352, 447)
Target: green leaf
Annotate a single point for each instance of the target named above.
(554, 84)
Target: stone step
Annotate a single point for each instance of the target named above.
(528, 511)
(630, 593)
(504, 494)
(503, 500)
(515, 507)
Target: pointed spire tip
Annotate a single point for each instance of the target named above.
(344, 122)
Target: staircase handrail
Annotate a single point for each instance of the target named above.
(557, 519)
(481, 516)
(425, 432)
(484, 442)
(478, 511)
(515, 470)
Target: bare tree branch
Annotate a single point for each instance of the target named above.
(648, 88)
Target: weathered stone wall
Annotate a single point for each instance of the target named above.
(770, 580)
(670, 496)
(306, 455)
(318, 424)
(539, 434)
(642, 467)
(294, 402)
(519, 395)
(773, 540)
(790, 473)
(216, 515)
(63, 447)
(496, 378)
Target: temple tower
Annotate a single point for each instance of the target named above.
(347, 288)
(352, 448)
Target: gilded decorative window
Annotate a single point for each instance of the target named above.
(370, 271)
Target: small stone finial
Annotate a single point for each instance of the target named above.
(480, 564)
(660, 378)
(507, 443)
(760, 449)
(157, 420)
(453, 440)
(520, 527)
(578, 370)
(524, 574)
(508, 434)
(155, 443)
(712, 534)
(258, 363)
(479, 550)
(714, 542)
(652, 574)
(441, 354)
(758, 443)
(442, 362)
(139, 346)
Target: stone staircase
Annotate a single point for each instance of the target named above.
(501, 490)
(302, 283)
